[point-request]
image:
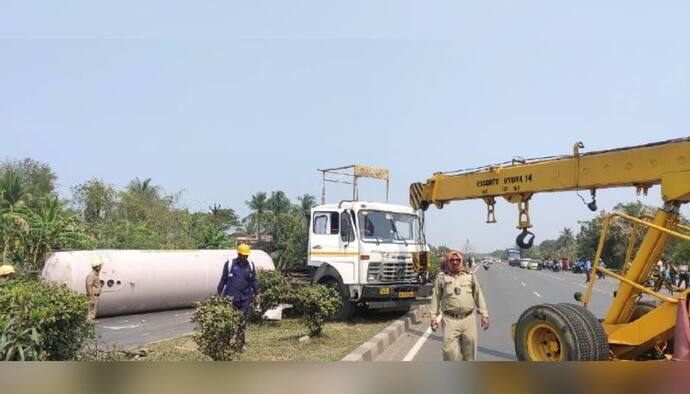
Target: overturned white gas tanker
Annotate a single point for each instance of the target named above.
(146, 280)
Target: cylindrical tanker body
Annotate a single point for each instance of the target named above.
(146, 280)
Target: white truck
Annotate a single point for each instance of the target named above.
(374, 253)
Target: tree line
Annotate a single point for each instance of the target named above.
(583, 245)
(34, 220)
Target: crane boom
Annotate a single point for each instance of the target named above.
(639, 166)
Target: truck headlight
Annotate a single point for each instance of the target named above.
(371, 278)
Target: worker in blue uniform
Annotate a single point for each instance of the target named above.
(239, 282)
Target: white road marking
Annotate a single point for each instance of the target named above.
(514, 277)
(418, 345)
(523, 283)
(122, 327)
(595, 289)
(537, 294)
(554, 277)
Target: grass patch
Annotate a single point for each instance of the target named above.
(279, 341)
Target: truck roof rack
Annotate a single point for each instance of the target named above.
(349, 175)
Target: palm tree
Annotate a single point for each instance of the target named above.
(259, 205)
(13, 194)
(306, 203)
(13, 224)
(566, 243)
(143, 188)
(566, 238)
(278, 203)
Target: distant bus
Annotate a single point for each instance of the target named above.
(514, 257)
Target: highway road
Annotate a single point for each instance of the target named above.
(132, 331)
(508, 292)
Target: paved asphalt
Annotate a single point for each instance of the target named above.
(508, 292)
(131, 331)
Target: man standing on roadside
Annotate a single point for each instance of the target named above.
(457, 294)
(93, 287)
(588, 270)
(239, 282)
(683, 275)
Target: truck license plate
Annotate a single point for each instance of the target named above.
(384, 291)
(406, 294)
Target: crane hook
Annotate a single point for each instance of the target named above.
(592, 205)
(520, 240)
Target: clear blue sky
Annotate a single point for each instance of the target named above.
(222, 100)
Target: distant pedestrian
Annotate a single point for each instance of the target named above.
(458, 295)
(600, 274)
(673, 272)
(683, 275)
(239, 282)
(93, 287)
(588, 270)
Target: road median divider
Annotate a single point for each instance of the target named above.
(374, 347)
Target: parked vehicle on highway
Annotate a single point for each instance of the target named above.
(374, 253)
(534, 265)
(514, 257)
(556, 266)
(579, 267)
(524, 263)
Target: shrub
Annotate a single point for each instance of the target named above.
(317, 303)
(218, 325)
(275, 290)
(56, 314)
(18, 344)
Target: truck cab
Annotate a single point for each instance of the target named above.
(372, 252)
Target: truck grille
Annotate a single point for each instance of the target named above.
(393, 268)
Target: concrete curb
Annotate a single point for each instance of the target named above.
(369, 350)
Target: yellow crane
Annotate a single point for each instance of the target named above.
(632, 328)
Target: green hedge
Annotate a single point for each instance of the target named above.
(275, 290)
(218, 324)
(317, 303)
(57, 314)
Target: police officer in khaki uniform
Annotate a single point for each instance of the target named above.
(93, 287)
(457, 294)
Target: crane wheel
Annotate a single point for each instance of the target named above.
(598, 337)
(550, 332)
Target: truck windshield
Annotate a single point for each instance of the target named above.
(388, 227)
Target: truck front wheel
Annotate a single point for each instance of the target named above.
(347, 309)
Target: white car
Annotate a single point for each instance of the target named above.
(524, 263)
(534, 265)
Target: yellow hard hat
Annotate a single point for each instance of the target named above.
(243, 249)
(6, 270)
(96, 262)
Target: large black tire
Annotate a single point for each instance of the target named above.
(552, 333)
(347, 308)
(598, 337)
